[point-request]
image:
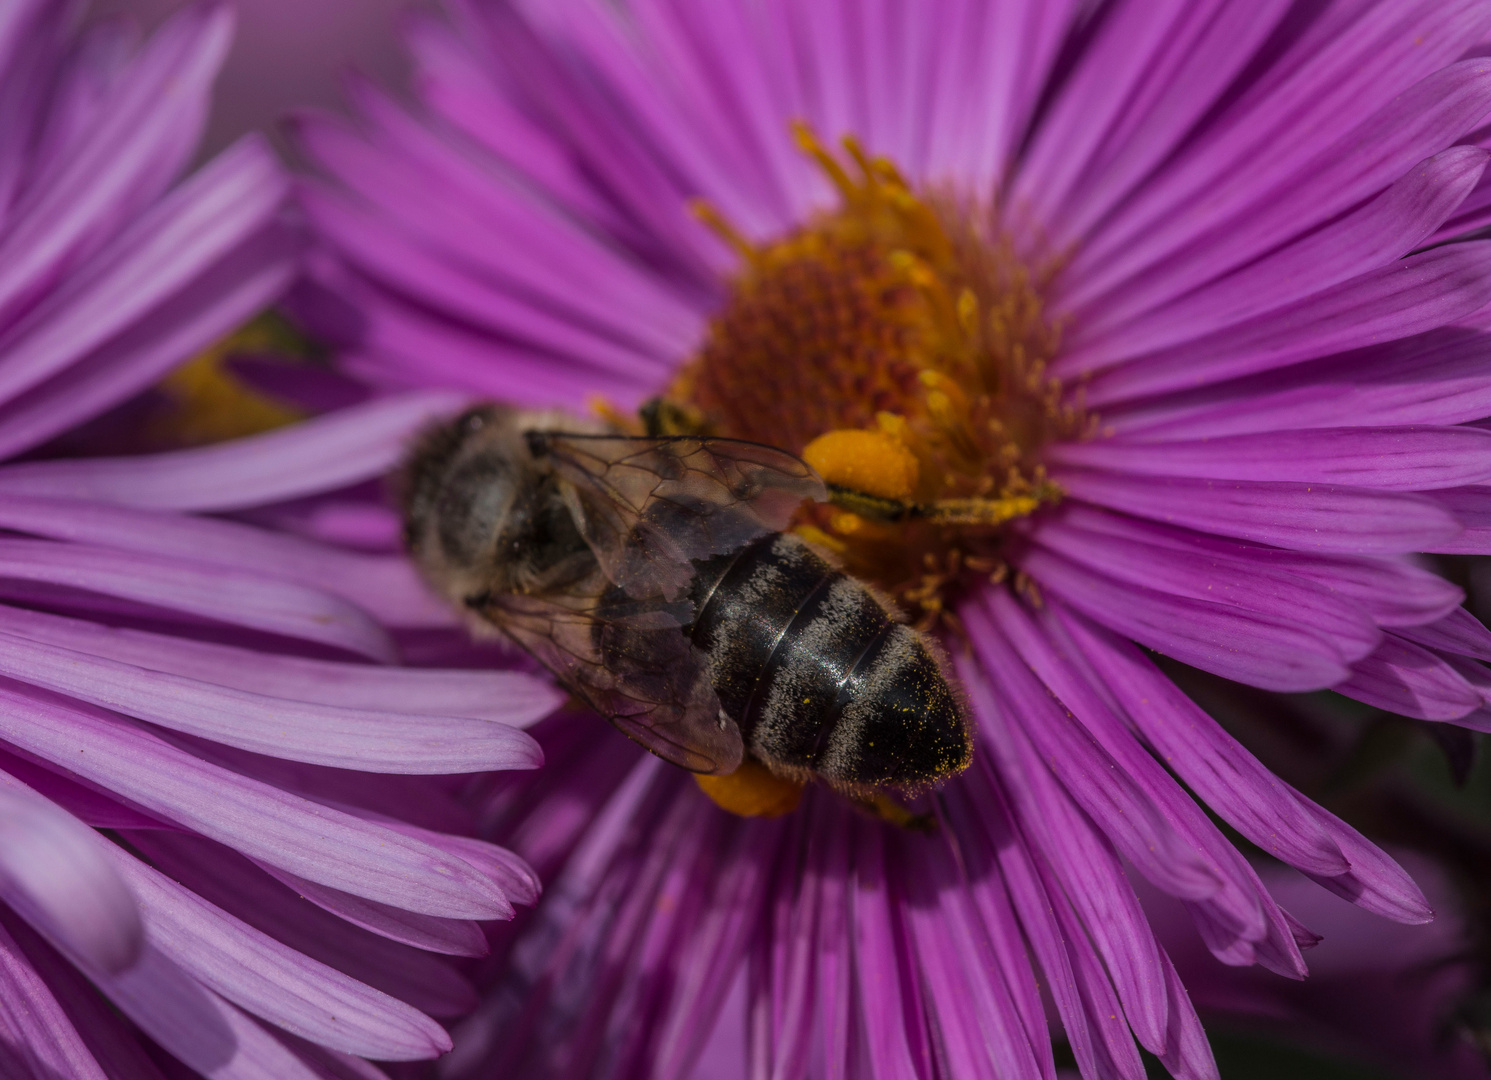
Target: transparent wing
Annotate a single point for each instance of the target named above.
(631, 663)
(648, 506)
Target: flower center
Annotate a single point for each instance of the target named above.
(899, 344)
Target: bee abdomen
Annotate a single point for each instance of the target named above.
(817, 675)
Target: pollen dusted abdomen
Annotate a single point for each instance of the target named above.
(818, 676)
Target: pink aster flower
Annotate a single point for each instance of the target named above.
(1166, 292)
(212, 695)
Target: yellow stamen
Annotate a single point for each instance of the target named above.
(900, 344)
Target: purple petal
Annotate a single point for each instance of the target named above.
(1214, 765)
(451, 937)
(324, 845)
(1433, 378)
(143, 133)
(1375, 882)
(214, 593)
(58, 876)
(1472, 507)
(388, 587)
(1387, 228)
(567, 271)
(327, 452)
(1459, 632)
(231, 882)
(968, 1003)
(196, 1026)
(894, 1026)
(1271, 652)
(1123, 804)
(1407, 297)
(1187, 1054)
(1403, 678)
(391, 258)
(1222, 40)
(362, 739)
(1389, 458)
(507, 697)
(1082, 860)
(1215, 577)
(38, 1036)
(223, 296)
(1394, 590)
(88, 805)
(171, 245)
(1261, 178)
(257, 973)
(1129, 43)
(1304, 517)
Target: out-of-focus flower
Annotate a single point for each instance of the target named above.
(214, 695)
(1377, 992)
(1164, 292)
(287, 54)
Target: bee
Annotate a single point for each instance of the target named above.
(653, 576)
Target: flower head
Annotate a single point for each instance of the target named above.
(1150, 316)
(208, 695)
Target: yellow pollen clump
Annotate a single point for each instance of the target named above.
(899, 343)
(868, 461)
(752, 790)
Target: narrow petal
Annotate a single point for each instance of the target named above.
(451, 937)
(1375, 882)
(1246, 646)
(1082, 860)
(1394, 590)
(219, 206)
(196, 1026)
(1304, 517)
(1387, 228)
(508, 697)
(242, 282)
(231, 882)
(1219, 769)
(57, 874)
(212, 593)
(1128, 811)
(1404, 678)
(1265, 177)
(387, 587)
(272, 981)
(328, 452)
(1459, 632)
(362, 739)
(1472, 508)
(1388, 458)
(1411, 296)
(39, 1039)
(1211, 576)
(1431, 378)
(1187, 1054)
(324, 845)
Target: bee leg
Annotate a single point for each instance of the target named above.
(938, 512)
(890, 811)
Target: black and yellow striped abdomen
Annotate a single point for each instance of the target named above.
(817, 674)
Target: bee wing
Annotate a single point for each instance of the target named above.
(631, 663)
(647, 506)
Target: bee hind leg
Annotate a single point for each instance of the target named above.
(892, 812)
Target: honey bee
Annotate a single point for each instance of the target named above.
(653, 576)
